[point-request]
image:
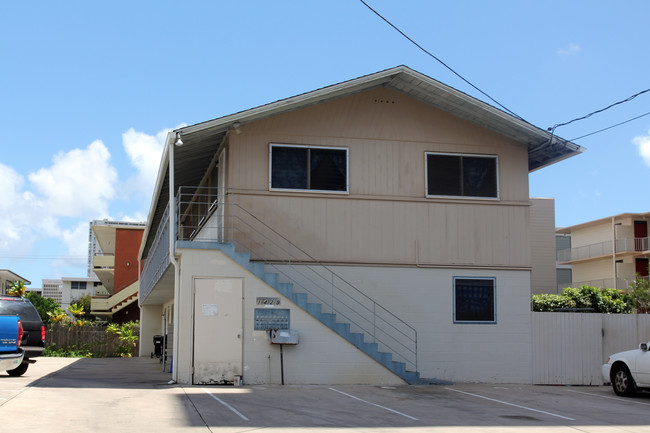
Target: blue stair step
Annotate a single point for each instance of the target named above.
(356, 339)
(257, 268)
(328, 319)
(314, 309)
(285, 288)
(300, 299)
(343, 329)
(271, 279)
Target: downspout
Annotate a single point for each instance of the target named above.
(172, 252)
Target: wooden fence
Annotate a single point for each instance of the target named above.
(93, 338)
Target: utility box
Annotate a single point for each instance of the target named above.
(267, 319)
(284, 336)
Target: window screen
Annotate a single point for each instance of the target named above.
(474, 300)
(461, 175)
(309, 168)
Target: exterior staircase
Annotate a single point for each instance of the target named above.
(336, 324)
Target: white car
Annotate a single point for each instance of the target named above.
(628, 371)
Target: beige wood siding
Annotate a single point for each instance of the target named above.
(385, 217)
(542, 230)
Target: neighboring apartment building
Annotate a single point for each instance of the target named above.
(8, 277)
(607, 252)
(73, 288)
(563, 271)
(114, 246)
(383, 224)
(68, 289)
(53, 289)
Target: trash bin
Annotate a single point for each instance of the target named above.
(158, 341)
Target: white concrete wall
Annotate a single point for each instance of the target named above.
(489, 353)
(150, 325)
(322, 357)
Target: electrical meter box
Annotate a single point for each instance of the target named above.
(284, 336)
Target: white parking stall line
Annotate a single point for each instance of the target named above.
(375, 404)
(226, 404)
(621, 399)
(512, 404)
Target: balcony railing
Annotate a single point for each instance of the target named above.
(205, 216)
(104, 261)
(157, 260)
(602, 249)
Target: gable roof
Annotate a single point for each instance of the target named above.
(202, 140)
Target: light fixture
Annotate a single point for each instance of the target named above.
(178, 141)
(237, 127)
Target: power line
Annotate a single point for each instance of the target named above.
(440, 61)
(552, 128)
(63, 258)
(610, 127)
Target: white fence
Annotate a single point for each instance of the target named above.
(569, 348)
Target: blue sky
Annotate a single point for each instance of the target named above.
(89, 90)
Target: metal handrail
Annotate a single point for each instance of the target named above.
(201, 218)
(601, 249)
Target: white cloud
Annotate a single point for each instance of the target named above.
(22, 213)
(76, 239)
(144, 152)
(79, 183)
(643, 142)
(570, 50)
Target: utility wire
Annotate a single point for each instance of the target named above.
(610, 127)
(63, 258)
(440, 61)
(552, 128)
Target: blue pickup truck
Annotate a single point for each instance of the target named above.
(11, 334)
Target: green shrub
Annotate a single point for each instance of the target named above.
(71, 352)
(551, 302)
(586, 297)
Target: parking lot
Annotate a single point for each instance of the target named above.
(124, 395)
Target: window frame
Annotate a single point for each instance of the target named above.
(494, 301)
(308, 147)
(461, 155)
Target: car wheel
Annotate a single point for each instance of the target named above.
(622, 381)
(20, 370)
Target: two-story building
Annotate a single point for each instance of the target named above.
(383, 224)
(608, 252)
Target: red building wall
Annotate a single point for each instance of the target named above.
(127, 246)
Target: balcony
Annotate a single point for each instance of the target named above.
(602, 249)
(157, 260)
(104, 261)
(104, 268)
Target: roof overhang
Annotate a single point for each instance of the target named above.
(7, 275)
(606, 220)
(202, 140)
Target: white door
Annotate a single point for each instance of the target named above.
(217, 330)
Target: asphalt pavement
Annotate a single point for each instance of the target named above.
(134, 395)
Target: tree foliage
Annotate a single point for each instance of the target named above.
(128, 336)
(639, 295)
(44, 306)
(16, 288)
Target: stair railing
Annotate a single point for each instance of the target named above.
(204, 215)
